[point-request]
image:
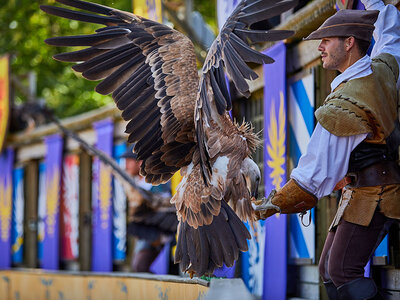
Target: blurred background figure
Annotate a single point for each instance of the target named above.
(152, 220)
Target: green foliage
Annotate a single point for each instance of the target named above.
(24, 27)
(208, 278)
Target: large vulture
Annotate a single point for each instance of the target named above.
(180, 121)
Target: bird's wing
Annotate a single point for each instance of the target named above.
(230, 51)
(222, 144)
(210, 233)
(150, 69)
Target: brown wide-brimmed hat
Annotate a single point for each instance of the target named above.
(347, 22)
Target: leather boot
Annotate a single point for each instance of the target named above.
(331, 291)
(359, 289)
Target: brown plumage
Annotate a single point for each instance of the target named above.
(178, 120)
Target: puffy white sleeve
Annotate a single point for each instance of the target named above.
(387, 30)
(325, 162)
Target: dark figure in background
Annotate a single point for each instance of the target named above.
(353, 147)
(27, 116)
(152, 222)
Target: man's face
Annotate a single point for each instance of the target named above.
(333, 53)
(132, 166)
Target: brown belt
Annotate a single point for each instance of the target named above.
(342, 183)
(378, 174)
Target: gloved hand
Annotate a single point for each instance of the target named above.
(264, 207)
(288, 200)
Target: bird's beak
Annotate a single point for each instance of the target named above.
(254, 192)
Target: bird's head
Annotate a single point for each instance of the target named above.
(252, 175)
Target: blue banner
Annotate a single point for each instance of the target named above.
(6, 167)
(41, 209)
(301, 99)
(53, 161)
(275, 255)
(17, 227)
(101, 200)
(253, 259)
(119, 210)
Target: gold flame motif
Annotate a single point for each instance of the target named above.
(17, 245)
(276, 147)
(52, 201)
(5, 210)
(104, 195)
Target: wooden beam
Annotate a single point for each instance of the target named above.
(76, 123)
(31, 214)
(85, 211)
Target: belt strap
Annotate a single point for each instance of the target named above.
(381, 173)
(342, 183)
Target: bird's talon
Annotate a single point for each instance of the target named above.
(266, 203)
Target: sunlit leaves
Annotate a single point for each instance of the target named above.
(24, 27)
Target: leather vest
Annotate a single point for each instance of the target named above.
(368, 105)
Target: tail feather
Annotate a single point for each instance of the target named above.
(202, 250)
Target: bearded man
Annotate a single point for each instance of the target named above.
(353, 147)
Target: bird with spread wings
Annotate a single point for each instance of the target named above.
(179, 119)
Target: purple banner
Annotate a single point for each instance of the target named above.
(275, 257)
(225, 272)
(160, 265)
(6, 167)
(53, 162)
(102, 201)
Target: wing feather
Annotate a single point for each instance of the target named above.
(79, 16)
(249, 54)
(252, 14)
(108, 58)
(257, 36)
(150, 69)
(80, 55)
(230, 51)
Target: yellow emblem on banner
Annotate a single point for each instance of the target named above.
(276, 146)
(5, 210)
(53, 185)
(104, 195)
(149, 9)
(4, 98)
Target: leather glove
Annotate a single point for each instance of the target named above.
(288, 200)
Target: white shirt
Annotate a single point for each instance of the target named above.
(327, 157)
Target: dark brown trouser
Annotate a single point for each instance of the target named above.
(348, 249)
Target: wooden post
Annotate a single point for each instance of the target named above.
(85, 211)
(31, 214)
(327, 206)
